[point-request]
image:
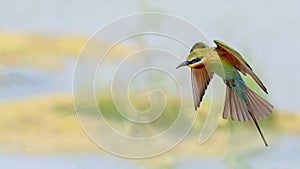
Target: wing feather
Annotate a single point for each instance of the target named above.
(200, 80)
(231, 56)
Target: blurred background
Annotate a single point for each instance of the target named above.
(39, 44)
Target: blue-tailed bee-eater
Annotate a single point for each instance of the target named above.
(241, 103)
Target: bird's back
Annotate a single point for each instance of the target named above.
(219, 66)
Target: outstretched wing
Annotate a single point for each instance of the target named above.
(231, 56)
(200, 80)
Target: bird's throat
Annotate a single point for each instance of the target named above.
(196, 66)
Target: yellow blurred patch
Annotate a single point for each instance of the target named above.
(48, 51)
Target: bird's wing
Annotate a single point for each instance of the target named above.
(231, 56)
(200, 80)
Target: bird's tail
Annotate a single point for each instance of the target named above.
(239, 108)
(244, 104)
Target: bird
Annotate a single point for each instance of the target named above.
(241, 102)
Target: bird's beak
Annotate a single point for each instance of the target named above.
(185, 63)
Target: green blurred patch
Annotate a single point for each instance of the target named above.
(169, 114)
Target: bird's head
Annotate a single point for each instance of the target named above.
(196, 57)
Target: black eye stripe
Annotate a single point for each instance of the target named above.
(197, 59)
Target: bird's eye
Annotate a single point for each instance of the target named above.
(196, 60)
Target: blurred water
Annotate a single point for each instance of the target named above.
(283, 154)
(266, 32)
(86, 161)
(21, 83)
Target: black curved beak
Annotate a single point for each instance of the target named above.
(185, 63)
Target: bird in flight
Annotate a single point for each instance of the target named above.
(241, 103)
